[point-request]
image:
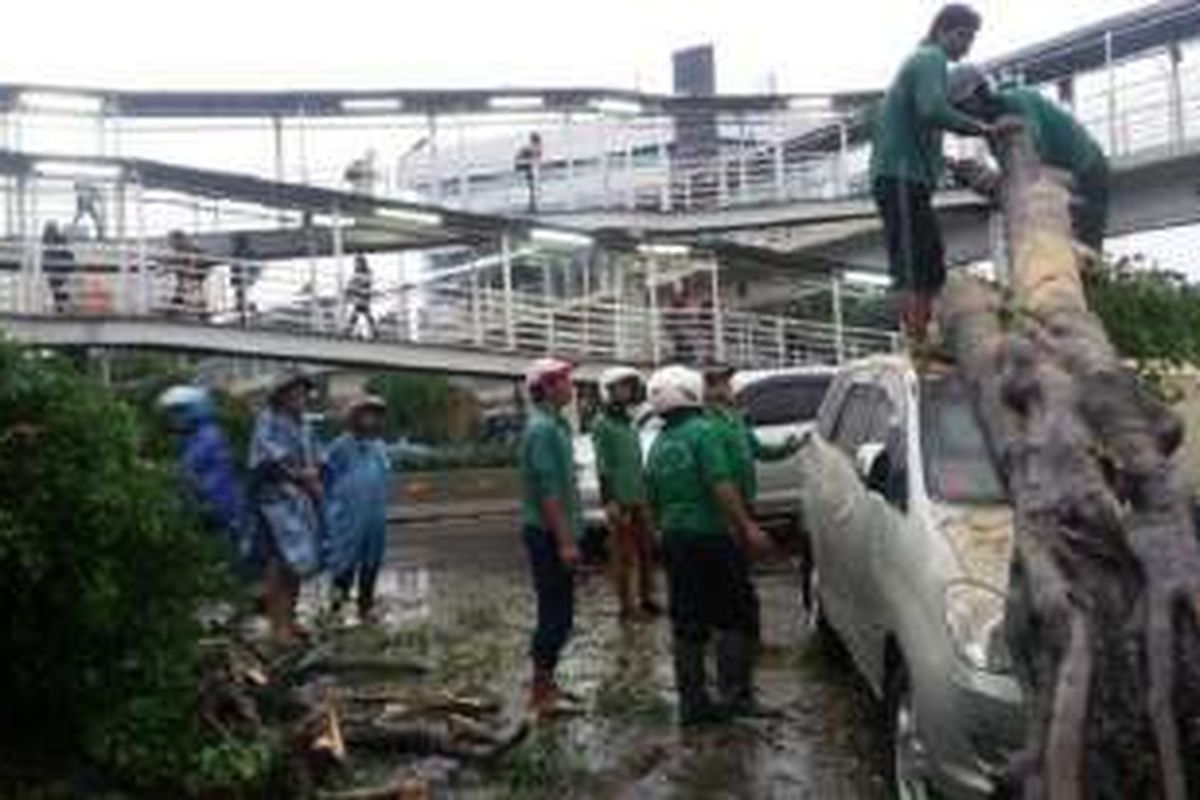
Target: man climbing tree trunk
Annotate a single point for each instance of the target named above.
(1104, 605)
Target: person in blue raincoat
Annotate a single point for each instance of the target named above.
(356, 472)
(286, 496)
(207, 464)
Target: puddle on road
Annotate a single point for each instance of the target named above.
(471, 628)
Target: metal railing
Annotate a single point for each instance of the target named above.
(322, 298)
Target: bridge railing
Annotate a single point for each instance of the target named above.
(322, 299)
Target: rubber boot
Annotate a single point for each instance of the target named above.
(736, 653)
(695, 705)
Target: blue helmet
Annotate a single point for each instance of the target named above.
(188, 405)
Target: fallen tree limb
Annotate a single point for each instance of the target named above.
(1105, 586)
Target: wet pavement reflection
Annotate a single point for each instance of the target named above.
(456, 595)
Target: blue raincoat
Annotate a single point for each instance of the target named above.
(286, 513)
(207, 466)
(356, 496)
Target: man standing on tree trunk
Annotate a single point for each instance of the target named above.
(907, 164)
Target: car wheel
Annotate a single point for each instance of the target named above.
(908, 762)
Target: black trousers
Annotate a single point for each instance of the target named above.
(709, 585)
(554, 586)
(916, 254)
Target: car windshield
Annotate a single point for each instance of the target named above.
(958, 464)
(784, 399)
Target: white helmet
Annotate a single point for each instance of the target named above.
(614, 375)
(675, 387)
(189, 405)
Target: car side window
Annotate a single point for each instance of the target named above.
(864, 417)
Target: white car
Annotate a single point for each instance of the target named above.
(911, 536)
(779, 403)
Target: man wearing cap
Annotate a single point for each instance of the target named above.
(623, 492)
(355, 473)
(707, 536)
(285, 490)
(551, 520)
(1059, 139)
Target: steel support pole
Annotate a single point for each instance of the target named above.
(843, 159)
(655, 321)
(618, 305)
(339, 259)
(476, 306)
(839, 329)
(572, 188)
(35, 241)
(139, 199)
(314, 319)
(125, 285)
(435, 171)
(1112, 93)
(22, 189)
(718, 311)
(1178, 124)
(630, 183)
(506, 271)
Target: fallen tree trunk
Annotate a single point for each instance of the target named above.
(1104, 599)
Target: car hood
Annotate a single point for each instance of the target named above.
(982, 539)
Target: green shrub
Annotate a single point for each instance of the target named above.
(102, 571)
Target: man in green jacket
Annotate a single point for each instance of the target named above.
(1059, 139)
(707, 537)
(907, 164)
(623, 491)
(743, 449)
(551, 521)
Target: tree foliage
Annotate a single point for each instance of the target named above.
(102, 571)
(1152, 315)
(420, 406)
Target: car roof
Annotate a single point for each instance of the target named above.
(748, 377)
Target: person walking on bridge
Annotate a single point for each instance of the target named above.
(1059, 139)
(707, 536)
(623, 492)
(355, 472)
(907, 164)
(552, 522)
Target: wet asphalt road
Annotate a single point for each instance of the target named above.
(467, 577)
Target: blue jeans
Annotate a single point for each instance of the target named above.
(554, 586)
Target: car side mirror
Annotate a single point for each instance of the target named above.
(867, 460)
(874, 465)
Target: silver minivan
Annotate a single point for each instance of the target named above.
(912, 540)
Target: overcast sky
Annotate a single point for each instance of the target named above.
(808, 46)
(797, 46)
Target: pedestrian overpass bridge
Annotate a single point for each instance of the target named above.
(665, 227)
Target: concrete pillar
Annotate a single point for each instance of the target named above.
(839, 329)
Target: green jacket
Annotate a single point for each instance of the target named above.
(548, 469)
(618, 457)
(914, 113)
(743, 449)
(1058, 137)
(686, 463)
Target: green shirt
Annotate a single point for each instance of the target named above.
(1058, 137)
(686, 463)
(618, 458)
(915, 111)
(743, 448)
(548, 469)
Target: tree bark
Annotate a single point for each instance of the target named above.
(1104, 599)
